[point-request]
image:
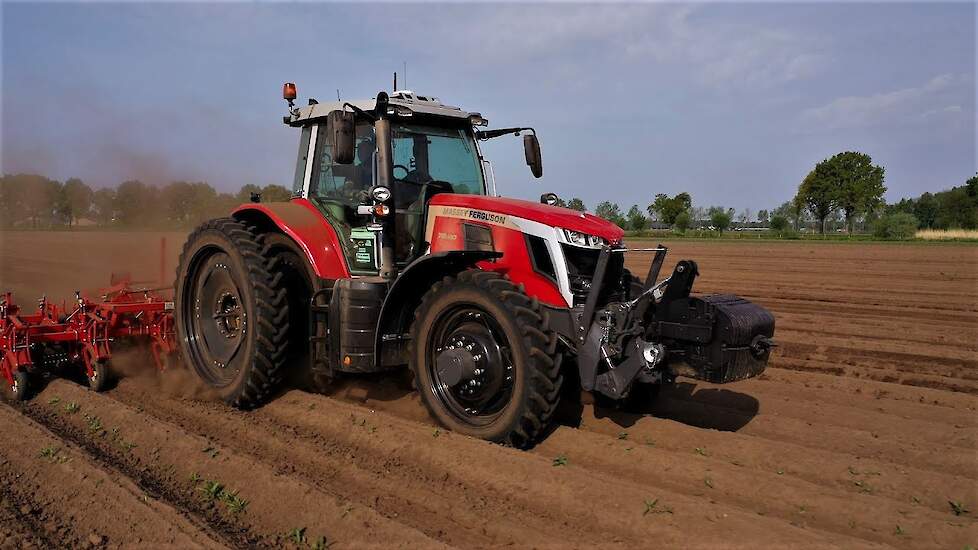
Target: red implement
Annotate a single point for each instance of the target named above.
(81, 335)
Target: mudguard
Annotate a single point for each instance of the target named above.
(304, 224)
(405, 295)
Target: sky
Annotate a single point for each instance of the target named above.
(731, 102)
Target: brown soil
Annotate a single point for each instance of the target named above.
(860, 433)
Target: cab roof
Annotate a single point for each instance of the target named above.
(402, 99)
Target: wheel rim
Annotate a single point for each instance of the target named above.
(216, 319)
(470, 365)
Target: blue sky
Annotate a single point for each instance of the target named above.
(731, 102)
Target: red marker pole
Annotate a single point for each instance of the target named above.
(162, 261)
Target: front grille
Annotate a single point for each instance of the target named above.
(581, 264)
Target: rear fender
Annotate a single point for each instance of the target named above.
(304, 224)
(407, 291)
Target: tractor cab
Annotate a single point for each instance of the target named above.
(371, 167)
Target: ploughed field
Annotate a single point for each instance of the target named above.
(861, 433)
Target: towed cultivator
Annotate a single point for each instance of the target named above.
(80, 336)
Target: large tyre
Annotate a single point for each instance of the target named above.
(485, 359)
(232, 316)
(297, 277)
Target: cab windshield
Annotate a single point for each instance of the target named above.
(428, 153)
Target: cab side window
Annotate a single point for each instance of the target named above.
(344, 183)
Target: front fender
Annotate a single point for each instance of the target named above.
(304, 224)
(405, 296)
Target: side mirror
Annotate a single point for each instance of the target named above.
(550, 198)
(531, 149)
(343, 131)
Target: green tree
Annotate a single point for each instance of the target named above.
(275, 193)
(137, 204)
(682, 222)
(763, 216)
(636, 219)
(897, 225)
(668, 208)
(76, 201)
(819, 194)
(858, 182)
(611, 212)
(925, 209)
(103, 206)
(779, 223)
(40, 198)
(721, 217)
(576, 204)
(13, 208)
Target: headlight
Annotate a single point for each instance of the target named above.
(381, 194)
(577, 238)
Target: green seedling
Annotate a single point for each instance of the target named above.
(51, 455)
(622, 435)
(560, 460)
(652, 507)
(321, 544)
(708, 482)
(701, 451)
(234, 503)
(211, 451)
(94, 423)
(436, 433)
(899, 531)
(212, 489)
(958, 508)
(72, 408)
(346, 511)
(48, 453)
(194, 477)
(54, 401)
(297, 535)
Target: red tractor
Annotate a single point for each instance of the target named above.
(395, 253)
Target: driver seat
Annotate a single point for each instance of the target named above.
(414, 218)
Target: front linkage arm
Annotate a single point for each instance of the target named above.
(665, 331)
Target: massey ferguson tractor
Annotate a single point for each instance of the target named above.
(395, 252)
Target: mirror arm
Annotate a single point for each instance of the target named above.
(489, 134)
(360, 111)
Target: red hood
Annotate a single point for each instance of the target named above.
(550, 215)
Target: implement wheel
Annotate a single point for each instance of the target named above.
(484, 359)
(231, 315)
(21, 388)
(98, 380)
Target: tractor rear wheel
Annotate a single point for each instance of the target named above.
(485, 359)
(232, 316)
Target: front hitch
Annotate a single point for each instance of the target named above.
(663, 332)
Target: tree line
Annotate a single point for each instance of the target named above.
(36, 202)
(843, 192)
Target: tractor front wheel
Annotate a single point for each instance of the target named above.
(485, 360)
(231, 316)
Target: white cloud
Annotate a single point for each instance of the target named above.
(889, 108)
(717, 52)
